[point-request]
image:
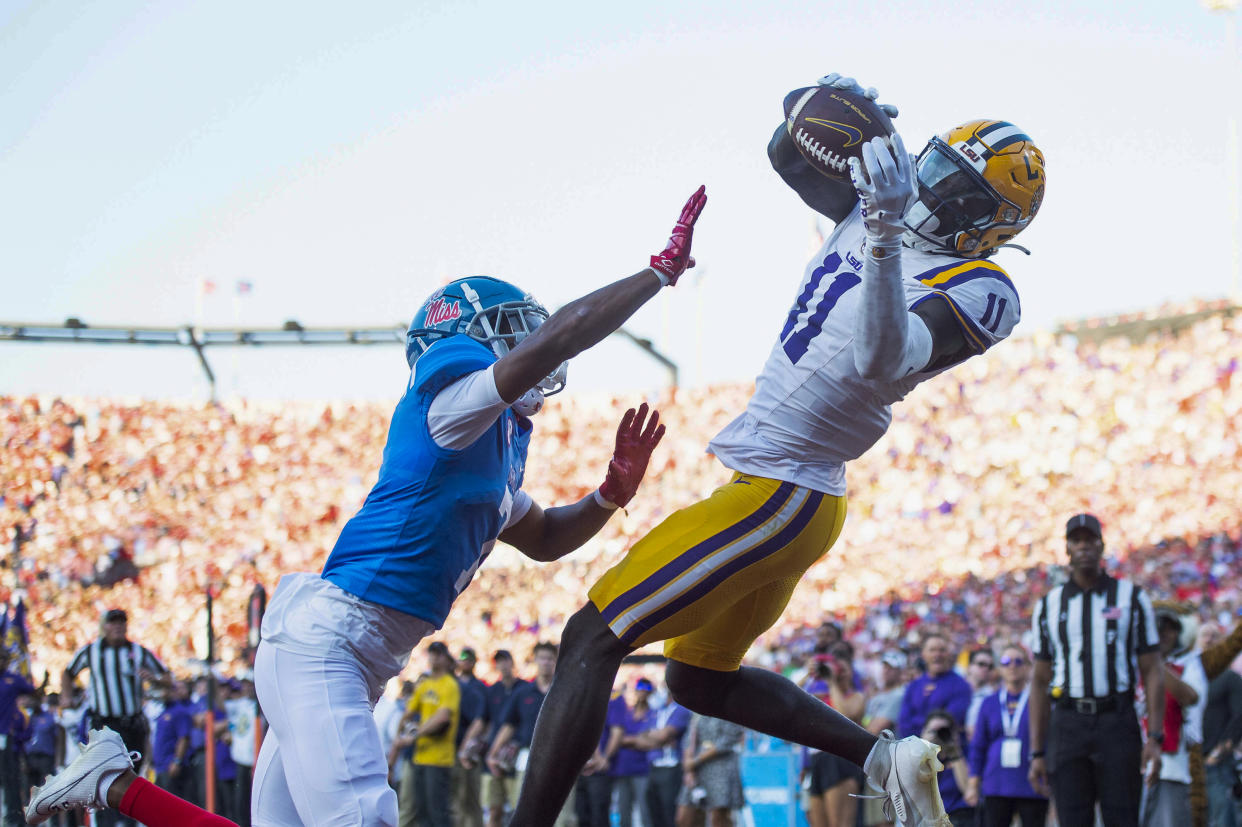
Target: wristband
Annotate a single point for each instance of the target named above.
(603, 503)
(1158, 737)
(1039, 753)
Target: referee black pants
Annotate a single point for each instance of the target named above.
(1095, 758)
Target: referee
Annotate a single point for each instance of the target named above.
(118, 667)
(1088, 633)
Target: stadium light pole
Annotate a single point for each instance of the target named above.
(1228, 12)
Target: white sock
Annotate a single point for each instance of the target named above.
(105, 781)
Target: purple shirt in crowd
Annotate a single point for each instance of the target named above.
(924, 695)
(949, 692)
(985, 750)
(629, 762)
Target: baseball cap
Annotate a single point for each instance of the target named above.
(643, 685)
(1087, 521)
(116, 616)
(468, 654)
(438, 648)
(895, 659)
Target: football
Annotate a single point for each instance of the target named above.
(830, 125)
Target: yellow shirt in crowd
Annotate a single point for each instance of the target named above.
(431, 694)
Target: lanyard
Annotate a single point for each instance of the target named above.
(1009, 723)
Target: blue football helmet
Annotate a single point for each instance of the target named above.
(486, 309)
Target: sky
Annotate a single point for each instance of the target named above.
(346, 160)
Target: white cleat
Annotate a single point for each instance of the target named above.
(77, 786)
(905, 772)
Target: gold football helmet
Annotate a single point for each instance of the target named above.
(980, 184)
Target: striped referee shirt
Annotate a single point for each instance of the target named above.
(115, 684)
(1094, 638)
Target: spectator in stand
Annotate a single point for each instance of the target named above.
(468, 781)
(1000, 749)
(884, 706)
(242, 710)
(834, 781)
(170, 744)
(46, 748)
(435, 708)
(982, 677)
(630, 768)
(1222, 726)
(713, 777)
(943, 729)
(1166, 801)
(499, 790)
(12, 687)
(517, 721)
(938, 688)
(941, 690)
(664, 740)
(592, 797)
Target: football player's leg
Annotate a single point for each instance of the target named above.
(270, 800)
(571, 719)
(330, 751)
(756, 698)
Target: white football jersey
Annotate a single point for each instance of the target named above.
(812, 411)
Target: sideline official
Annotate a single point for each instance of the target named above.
(1085, 738)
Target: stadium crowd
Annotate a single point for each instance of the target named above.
(954, 526)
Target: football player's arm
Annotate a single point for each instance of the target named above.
(833, 199)
(589, 320)
(546, 535)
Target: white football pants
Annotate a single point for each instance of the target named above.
(324, 660)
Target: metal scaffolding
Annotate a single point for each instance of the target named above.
(292, 333)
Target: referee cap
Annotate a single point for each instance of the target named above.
(1087, 521)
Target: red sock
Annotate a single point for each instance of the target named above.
(156, 807)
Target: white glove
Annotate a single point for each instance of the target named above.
(886, 186)
(836, 81)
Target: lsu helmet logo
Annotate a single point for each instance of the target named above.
(438, 310)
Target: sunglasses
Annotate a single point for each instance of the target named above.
(1013, 661)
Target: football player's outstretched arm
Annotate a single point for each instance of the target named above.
(890, 341)
(587, 321)
(546, 535)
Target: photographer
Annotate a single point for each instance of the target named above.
(943, 731)
(830, 780)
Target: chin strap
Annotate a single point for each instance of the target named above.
(1015, 246)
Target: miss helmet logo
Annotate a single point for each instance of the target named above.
(439, 311)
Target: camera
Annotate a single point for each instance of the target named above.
(698, 796)
(824, 666)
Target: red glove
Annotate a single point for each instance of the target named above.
(629, 459)
(676, 258)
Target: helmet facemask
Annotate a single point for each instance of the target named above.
(502, 327)
(979, 185)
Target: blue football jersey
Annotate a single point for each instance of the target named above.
(434, 514)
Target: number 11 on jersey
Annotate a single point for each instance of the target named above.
(803, 324)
